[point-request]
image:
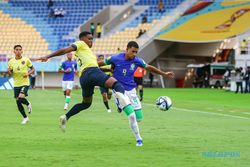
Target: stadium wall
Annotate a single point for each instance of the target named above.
(52, 80)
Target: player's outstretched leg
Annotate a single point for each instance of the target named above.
(63, 121)
(74, 110)
(128, 109)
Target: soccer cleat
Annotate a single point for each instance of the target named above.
(119, 110)
(63, 121)
(25, 121)
(109, 110)
(139, 143)
(29, 108)
(66, 105)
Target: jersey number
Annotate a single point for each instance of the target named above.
(124, 71)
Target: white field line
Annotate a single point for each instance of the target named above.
(204, 112)
(246, 113)
(211, 113)
(186, 110)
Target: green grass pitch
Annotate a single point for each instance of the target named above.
(204, 128)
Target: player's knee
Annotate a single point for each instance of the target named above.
(20, 99)
(123, 99)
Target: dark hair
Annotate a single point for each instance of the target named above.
(100, 56)
(133, 44)
(17, 46)
(84, 34)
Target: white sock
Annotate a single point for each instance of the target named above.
(134, 126)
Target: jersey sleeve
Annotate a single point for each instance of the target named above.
(61, 67)
(108, 60)
(29, 63)
(141, 63)
(77, 45)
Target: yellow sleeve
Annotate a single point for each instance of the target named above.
(78, 44)
(29, 64)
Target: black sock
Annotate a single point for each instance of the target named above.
(77, 108)
(24, 101)
(106, 104)
(141, 94)
(20, 108)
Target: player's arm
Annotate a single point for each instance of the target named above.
(31, 71)
(59, 52)
(76, 72)
(61, 68)
(153, 69)
(10, 70)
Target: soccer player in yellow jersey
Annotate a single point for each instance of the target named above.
(92, 76)
(19, 66)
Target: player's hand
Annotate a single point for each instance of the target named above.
(10, 71)
(68, 70)
(42, 59)
(169, 74)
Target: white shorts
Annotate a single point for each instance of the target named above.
(67, 85)
(134, 100)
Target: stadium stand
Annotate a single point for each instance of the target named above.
(110, 44)
(49, 30)
(16, 31)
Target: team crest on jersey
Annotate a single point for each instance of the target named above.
(23, 62)
(132, 66)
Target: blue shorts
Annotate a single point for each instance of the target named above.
(90, 78)
(104, 89)
(21, 89)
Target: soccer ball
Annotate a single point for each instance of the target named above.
(163, 103)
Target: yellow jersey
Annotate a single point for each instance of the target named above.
(19, 68)
(107, 67)
(86, 58)
(99, 29)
